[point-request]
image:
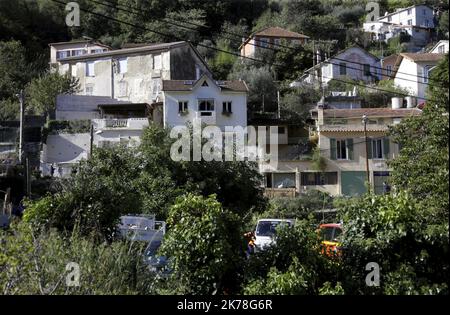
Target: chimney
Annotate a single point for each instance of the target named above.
(397, 102)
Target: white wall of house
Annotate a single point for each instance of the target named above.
(420, 15)
(238, 117)
(406, 76)
(440, 48)
(353, 68)
(410, 75)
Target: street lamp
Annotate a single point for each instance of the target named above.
(364, 121)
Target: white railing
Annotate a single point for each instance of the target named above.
(130, 123)
(209, 120)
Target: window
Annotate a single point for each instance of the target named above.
(157, 62)
(367, 70)
(389, 18)
(206, 107)
(263, 42)
(372, 27)
(89, 90)
(62, 54)
(277, 42)
(182, 106)
(426, 73)
(284, 180)
(205, 83)
(226, 107)
(90, 69)
(78, 52)
(281, 130)
(441, 49)
(389, 70)
(341, 149)
(343, 68)
(316, 178)
(409, 11)
(409, 22)
(96, 51)
(378, 148)
(123, 65)
(424, 12)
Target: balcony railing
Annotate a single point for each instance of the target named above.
(207, 117)
(126, 123)
(280, 192)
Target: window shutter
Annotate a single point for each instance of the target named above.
(386, 148)
(350, 148)
(333, 149)
(369, 148)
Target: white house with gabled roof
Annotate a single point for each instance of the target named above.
(219, 103)
(352, 63)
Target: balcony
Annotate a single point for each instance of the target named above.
(206, 117)
(280, 192)
(126, 123)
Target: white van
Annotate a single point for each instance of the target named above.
(266, 229)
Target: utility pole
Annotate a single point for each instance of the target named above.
(364, 121)
(314, 60)
(21, 126)
(278, 101)
(91, 139)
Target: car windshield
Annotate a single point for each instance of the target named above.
(152, 248)
(268, 228)
(327, 233)
(337, 234)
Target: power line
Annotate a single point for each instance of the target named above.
(217, 49)
(199, 25)
(111, 5)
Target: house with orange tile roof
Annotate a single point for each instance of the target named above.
(269, 37)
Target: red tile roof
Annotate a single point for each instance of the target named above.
(187, 85)
(423, 57)
(279, 32)
(371, 112)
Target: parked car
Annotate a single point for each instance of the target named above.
(266, 230)
(159, 265)
(331, 234)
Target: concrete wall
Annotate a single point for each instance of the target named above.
(64, 148)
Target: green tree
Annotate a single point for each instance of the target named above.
(422, 165)
(42, 91)
(204, 241)
(102, 189)
(402, 237)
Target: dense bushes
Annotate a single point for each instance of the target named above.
(35, 263)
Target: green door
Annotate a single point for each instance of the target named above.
(353, 183)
